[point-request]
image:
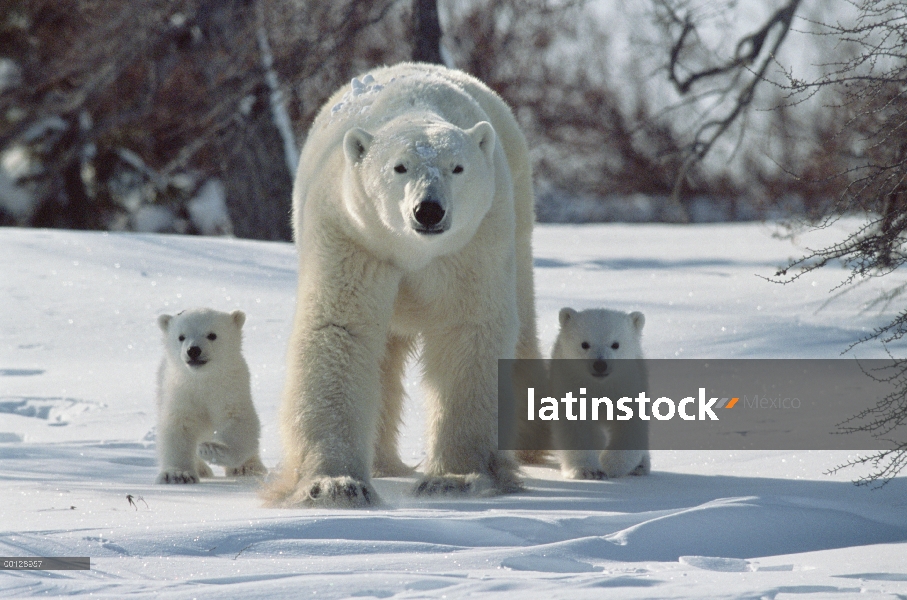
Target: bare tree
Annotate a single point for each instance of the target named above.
(736, 78)
(870, 87)
(122, 106)
(586, 137)
(864, 153)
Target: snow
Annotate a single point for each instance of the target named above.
(78, 352)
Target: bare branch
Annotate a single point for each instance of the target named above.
(747, 51)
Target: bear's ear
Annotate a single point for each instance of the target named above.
(484, 136)
(639, 320)
(355, 144)
(239, 317)
(163, 322)
(565, 315)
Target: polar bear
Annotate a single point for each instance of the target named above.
(204, 403)
(606, 351)
(413, 213)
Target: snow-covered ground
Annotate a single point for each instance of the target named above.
(79, 349)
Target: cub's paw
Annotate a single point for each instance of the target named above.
(644, 467)
(250, 468)
(213, 452)
(617, 463)
(594, 473)
(177, 476)
(204, 471)
(581, 464)
(333, 492)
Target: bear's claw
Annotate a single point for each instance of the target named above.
(595, 474)
(177, 477)
(473, 484)
(250, 468)
(334, 492)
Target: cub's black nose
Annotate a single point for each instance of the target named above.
(194, 352)
(429, 213)
(600, 367)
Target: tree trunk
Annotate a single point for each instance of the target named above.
(426, 32)
(253, 164)
(257, 183)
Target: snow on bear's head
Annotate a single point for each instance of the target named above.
(426, 182)
(201, 336)
(599, 336)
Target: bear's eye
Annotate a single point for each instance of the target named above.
(615, 345)
(182, 338)
(212, 336)
(585, 345)
(400, 169)
(458, 169)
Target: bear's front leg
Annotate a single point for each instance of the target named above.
(627, 450)
(462, 386)
(176, 444)
(387, 461)
(235, 439)
(331, 405)
(584, 462)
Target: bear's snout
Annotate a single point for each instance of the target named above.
(429, 213)
(194, 353)
(600, 368)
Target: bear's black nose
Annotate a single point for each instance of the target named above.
(600, 366)
(429, 213)
(194, 352)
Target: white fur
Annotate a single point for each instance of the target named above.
(600, 330)
(204, 402)
(371, 285)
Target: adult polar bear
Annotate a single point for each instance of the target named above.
(413, 213)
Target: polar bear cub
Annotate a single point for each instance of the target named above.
(204, 402)
(596, 339)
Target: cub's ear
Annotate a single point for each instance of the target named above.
(239, 317)
(565, 315)
(484, 136)
(163, 322)
(639, 320)
(355, 144)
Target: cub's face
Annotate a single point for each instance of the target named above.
(600, 337)
(199, 336)
(419, 188)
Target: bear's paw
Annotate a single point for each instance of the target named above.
(473, 484)
(251, 468)
(593, 473)
(213, 452)
(176, 476)
(617, 463)
(645, 466)
(204, 471)
(333, 492)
